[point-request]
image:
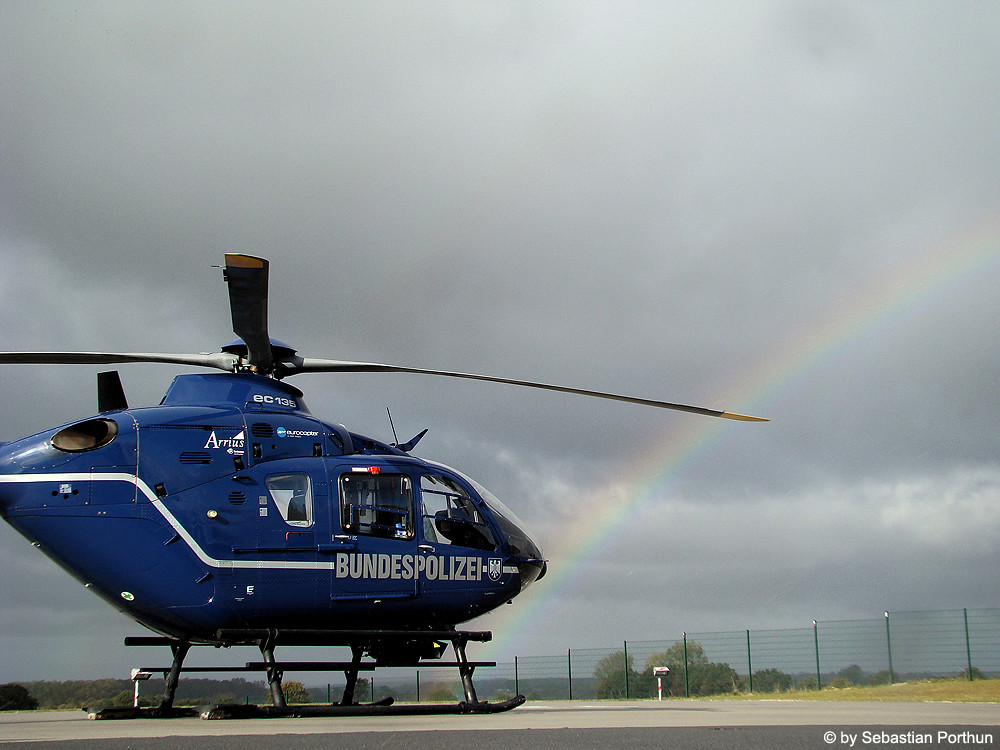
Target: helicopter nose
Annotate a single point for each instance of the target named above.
(531, 571)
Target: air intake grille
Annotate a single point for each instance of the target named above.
(237, 498)
(261, 430)
(195, 458)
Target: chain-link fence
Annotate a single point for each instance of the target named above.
(897, 647)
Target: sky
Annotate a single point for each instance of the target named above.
(787, 209)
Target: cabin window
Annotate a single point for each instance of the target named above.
(377, 505)
(450, 517)
(292, 495)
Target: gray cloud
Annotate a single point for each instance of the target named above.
(780, 208)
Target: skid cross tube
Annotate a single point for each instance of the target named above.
(387, 648)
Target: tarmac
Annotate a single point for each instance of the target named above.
(579, 724)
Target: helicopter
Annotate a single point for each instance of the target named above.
(229, 515)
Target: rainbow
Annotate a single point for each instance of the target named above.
(932, 278)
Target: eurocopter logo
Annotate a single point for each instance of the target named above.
(286, 433)
(410, 567)
(233, 445)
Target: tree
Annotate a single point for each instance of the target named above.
(672, 658)
(853, 674)
(610, 674)
(14, 697)
(977, 674)
(442, 692)
(808, 683)
(124, 698)
(712, 678)
(295, 692)
(771, 681)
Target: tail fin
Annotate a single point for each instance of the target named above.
(110, 394)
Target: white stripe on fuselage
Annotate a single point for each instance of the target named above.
(178, 527)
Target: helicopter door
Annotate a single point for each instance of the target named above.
(377, 528)
(287, 500)
(455, 533)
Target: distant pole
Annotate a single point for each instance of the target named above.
(749, 665)
(687, 687)
(626, 670)
(329, 696)
(569, 671)
(659, 672)
(888, 644)
(418, 686)
(968, 644)
(819, 680)
(138, 676)
(516, 690)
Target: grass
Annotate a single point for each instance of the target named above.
(954, 690)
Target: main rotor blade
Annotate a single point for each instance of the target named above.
(247, 279)
(299, 364)
(221, 360)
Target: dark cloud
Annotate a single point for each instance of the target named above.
(783, 209)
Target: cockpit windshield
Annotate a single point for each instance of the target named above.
(511, 526)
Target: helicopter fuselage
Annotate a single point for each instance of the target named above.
(230, 506)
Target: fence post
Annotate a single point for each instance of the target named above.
(626, 670)
(888, 643)
(968, 645)
(819, 679)
(687, 688)
(418, 686)
(749, 664)
(569, 671)
(516, 690)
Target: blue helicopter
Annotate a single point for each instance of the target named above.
(230, 515)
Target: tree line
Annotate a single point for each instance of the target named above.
(705, 677)
(45, 694)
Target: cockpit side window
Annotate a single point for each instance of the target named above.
(449, 516)
(292, 495)
(377, 505)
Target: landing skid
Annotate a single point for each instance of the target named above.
(386, 707)
(127, 712)
(382, 708)
(360, 642)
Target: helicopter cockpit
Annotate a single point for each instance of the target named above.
(450, 516)
(437, 507)
(530, 563)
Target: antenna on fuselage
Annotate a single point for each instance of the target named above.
(394, 437)
(409, 445)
